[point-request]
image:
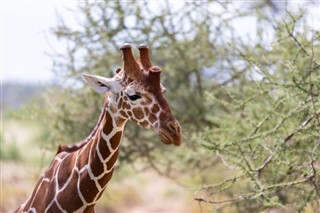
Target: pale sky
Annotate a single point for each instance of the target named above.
(25, 38)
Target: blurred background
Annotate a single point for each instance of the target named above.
(242, 77)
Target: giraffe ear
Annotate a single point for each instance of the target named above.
(101, 84)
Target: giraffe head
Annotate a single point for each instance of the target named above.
(135, 93)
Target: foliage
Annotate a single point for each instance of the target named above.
(248, 104)
(9, 152)
(269, 125)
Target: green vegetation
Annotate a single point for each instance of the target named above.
(10, 151)
(248, 103)
(268, 127)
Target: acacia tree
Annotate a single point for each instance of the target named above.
(268, 130)
(248, 106)
(93, 47)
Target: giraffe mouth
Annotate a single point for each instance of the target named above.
(167, 139)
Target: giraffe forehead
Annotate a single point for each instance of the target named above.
(135, 87)
(144, 83)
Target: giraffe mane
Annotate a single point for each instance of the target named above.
(77, 146)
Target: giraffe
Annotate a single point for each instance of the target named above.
(79, 174)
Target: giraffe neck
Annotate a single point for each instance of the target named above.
(104, 149)
(100, 154)
(76, 179)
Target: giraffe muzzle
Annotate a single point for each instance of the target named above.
(170, 133)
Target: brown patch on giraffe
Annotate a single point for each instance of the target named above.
(68, 198)
(83, 157)
(115, 140)
(52, 169)
(108, 127)
(144, 123)
(65, 169)
(89, 209)
(51, 191)
(120, 122)
(138, 113)
(113, 159)
(105, 179)
(146, 110)
(27, 205)
(125, 98)
(152, 118)
(103, 148)
(92, 149)
(126, 105)
(123, 113)
(120, 104)
(129, 113)
(88, 188)
(38, 201)
(97, 167)
(117, 98)
(54, 208)
(155, 108)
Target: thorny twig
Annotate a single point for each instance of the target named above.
(234, 179)
(254, 195)
(291, 35)
(266, 162)
(263, 190)
(304, 123)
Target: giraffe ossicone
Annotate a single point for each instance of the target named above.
(79, 174)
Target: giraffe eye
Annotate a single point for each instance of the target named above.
(134, 97)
